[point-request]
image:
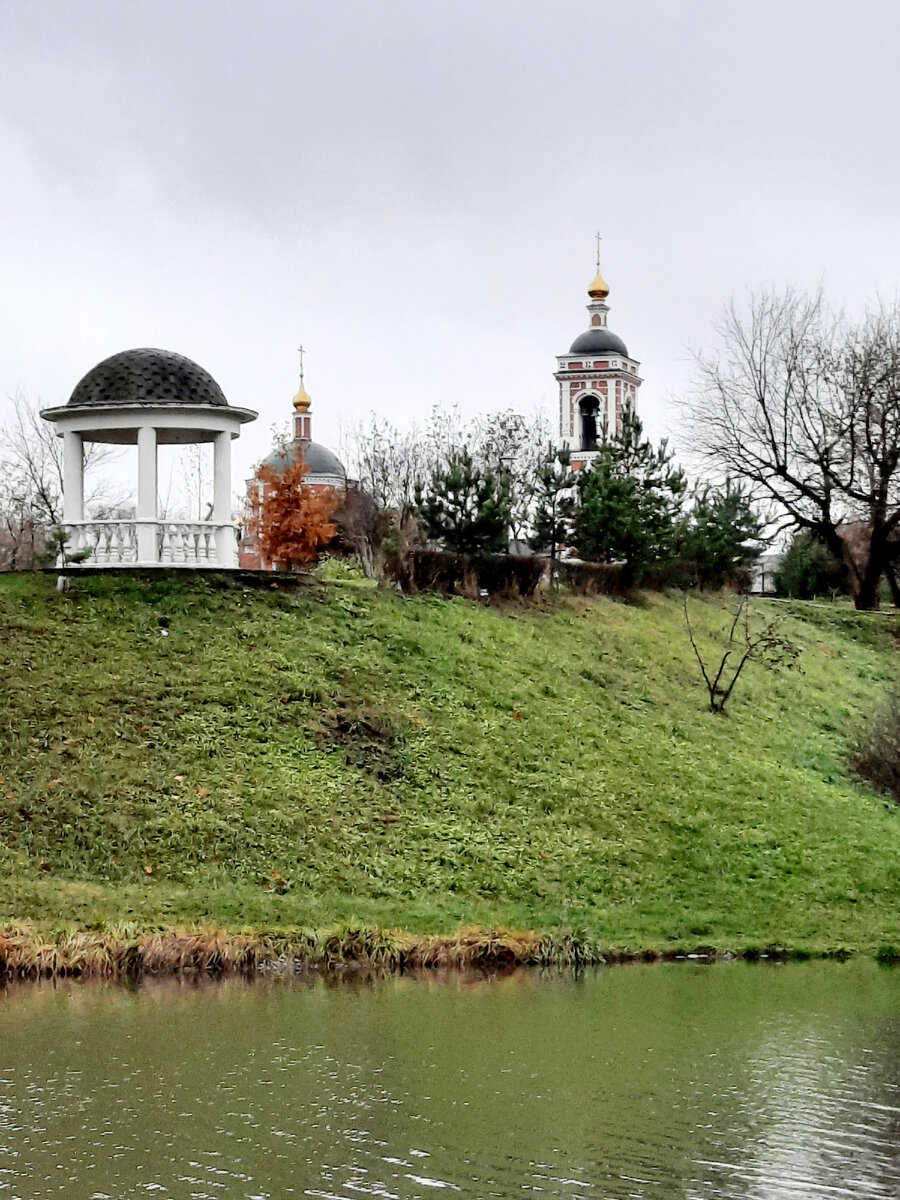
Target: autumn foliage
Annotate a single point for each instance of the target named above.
(289, 519)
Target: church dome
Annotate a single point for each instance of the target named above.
(598, 341)
(599, 289)
(319, 459)
(147, 376)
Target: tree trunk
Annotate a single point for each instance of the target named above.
(366, 557)
(863, 554)
(891, 572)
(865, 593)
(865, 582)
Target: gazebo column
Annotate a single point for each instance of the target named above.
(146, 518)
(226, 540)
(73, 490)
(73, 477)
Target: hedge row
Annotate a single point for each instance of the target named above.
(519, 576)
(466, 574)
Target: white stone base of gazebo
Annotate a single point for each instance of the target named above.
(118, 543)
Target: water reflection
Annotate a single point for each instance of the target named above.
(646, 1082)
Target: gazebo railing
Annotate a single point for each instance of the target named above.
(186, 543)
(115, 543)
(111, 543)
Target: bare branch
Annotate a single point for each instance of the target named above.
(764, 644)
(31, 483)
(805, 408)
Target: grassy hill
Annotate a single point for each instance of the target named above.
(175, 752)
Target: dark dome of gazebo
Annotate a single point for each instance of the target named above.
(147, 376)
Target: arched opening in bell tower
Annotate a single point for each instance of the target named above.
(589, 408)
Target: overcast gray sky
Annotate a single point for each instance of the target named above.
(411, 189)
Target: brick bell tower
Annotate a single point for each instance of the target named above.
(597, 381)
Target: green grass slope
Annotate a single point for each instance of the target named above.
(336, 754)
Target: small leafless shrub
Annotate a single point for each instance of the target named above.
(877, 757)
(361, 529)
(747, 639)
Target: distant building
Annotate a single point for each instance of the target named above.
(597, 381)
(325, 471)
(763, 571)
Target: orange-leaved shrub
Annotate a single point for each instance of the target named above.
(290, 520)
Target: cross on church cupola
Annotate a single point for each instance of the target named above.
(597, 380)
(302, 405)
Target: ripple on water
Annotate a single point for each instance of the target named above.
(702, 1083)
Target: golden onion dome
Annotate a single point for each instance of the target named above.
(302, 400)
(599, 289)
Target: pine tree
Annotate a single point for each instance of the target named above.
(555, 503)
(807, 569)
(466, 508)
(721, 534)
(629, 501)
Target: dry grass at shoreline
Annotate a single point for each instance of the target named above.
(25, 954)
(122, 955)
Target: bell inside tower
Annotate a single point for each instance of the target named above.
(589, 408)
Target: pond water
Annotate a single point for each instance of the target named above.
(642, 1081)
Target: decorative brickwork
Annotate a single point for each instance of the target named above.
(590, 403)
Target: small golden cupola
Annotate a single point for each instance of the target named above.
(599, 289)
(302, 400)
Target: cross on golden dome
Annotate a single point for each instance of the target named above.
(599, 288)
(302, 400)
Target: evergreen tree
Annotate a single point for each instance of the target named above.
(720, 534)
(466, 508)
(807, 569)
(554, 502)
(629, 501)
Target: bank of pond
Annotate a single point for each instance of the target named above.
(25, 954)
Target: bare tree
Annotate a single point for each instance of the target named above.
(746, 640)
(32, 462)
(196, 480)
(31, 483)
(361, 529)
(388, 464)
(22, 539)
(805, 406)
(513, 447)
(394, 466)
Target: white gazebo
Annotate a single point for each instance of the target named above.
(149, 398)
